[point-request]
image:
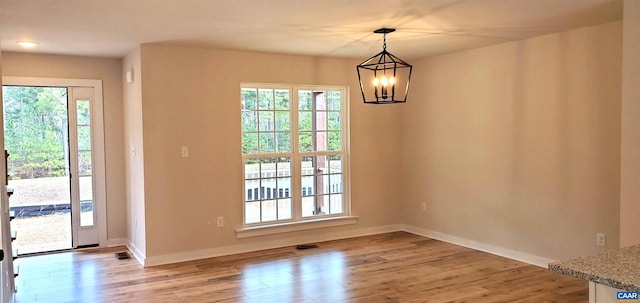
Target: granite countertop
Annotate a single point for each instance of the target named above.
(619, 268)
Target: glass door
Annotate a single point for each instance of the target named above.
(49, 134)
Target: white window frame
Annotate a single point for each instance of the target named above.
(298, 222)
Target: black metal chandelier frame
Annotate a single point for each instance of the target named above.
(384, 63)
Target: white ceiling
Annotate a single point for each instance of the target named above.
(112, 28)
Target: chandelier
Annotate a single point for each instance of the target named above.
(384, 78)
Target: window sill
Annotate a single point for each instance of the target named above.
(248, 232)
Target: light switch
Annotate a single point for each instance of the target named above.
(185, 151)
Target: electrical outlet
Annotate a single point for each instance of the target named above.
(220, 221)
(424, 206)
(601, 240)
(185, 151)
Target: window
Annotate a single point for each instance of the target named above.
(293, 147)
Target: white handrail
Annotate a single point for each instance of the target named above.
(6, 268)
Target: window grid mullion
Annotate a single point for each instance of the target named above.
(260, 192)
(273, 123)
(296, 174)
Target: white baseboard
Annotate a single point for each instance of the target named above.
(117, 242)
(320, 237)
(137, 253)
(492, 249)
(249, 247)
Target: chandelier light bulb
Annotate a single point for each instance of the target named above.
(383, 81)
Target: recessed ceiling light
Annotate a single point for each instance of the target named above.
(27, 44)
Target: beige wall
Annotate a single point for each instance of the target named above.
(191, 98)
(518, 145)
(630, 168)
(134, 153)
(109, 71)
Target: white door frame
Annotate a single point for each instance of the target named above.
(98, 120)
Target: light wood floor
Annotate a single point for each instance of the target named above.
(395, 267)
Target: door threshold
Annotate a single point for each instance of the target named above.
(57, 251)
